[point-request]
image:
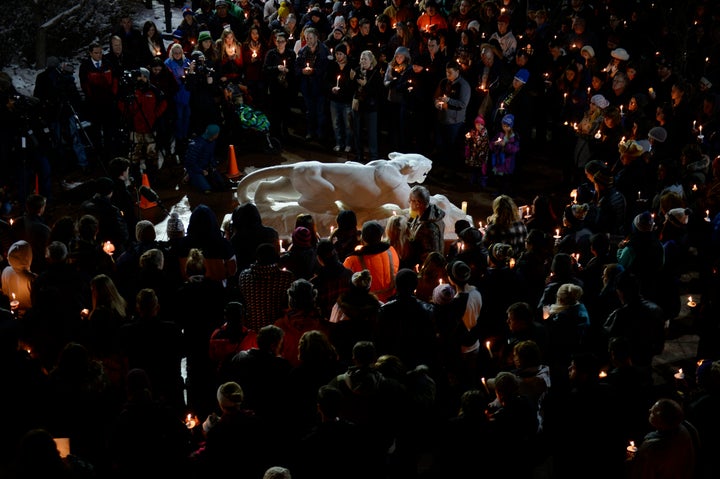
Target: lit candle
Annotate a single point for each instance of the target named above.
(621, 110)
(337, 83)
(699, 362)
(108, 248)
(603, 374)
(440, 282)
(694, 187)
(484, 383)
(14, 304)
(694, 123)
(254, 53)
(458, 25)
(546, 311)
(463, 207)
(632, 448)
(651, 91)
(284, 65)
(639, 194)
(332, 230)
(512, 263)
(690, 302)
(480, 224)
(679, 375)
(190, 421)
(488, 346)
(573, 195)
(282, 250)
(557, 233)
(84, 313)
(707, 216)
(598, 134)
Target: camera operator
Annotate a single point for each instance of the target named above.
(205, 93)
(25, 141)
(55, 88)
(142, 108)
(164, 80)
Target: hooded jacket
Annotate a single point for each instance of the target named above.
(17, 278)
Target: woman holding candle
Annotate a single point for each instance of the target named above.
(253, 56)
(505, 224)
(368, 86)
(278, 72)
(311, 68)
(154, 44)
(397, 75)
(230, 64)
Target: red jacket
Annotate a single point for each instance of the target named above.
(147, 107)
(97, 84)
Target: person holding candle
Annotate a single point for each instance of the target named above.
(467, 303)
(311, 68)
(367, 83)
(671, 449)
(17, 278)
(643, 255)
(504, 150)
(398, 80)
(282, 86)
(378, 257)
(477, 151)
(253, 51)
(638, 319)
(341, 94)
(505, 225)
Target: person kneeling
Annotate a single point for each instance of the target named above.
(201, 164)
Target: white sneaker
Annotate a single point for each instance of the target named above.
(348, 149)
(337, 148)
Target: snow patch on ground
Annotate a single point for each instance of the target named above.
(23, 78)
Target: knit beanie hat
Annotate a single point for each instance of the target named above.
(658, 133)
(631, 148)
(341, 48)
(679, 217)
(372, 232)
(644, 222)
(459, 272)
(500, 253)
(175, 227)
(211, 130)
(362, 279)
(204, 35)
(144, 231)
(599, 101)
(302, 237)
(406, 280)
(443, 293)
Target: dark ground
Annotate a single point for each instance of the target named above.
(534, 176)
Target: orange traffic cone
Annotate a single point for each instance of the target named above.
(233, 171)
(145, 203)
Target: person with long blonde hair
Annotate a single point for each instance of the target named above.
(505, 225)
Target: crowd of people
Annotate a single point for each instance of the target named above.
(524, 347)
